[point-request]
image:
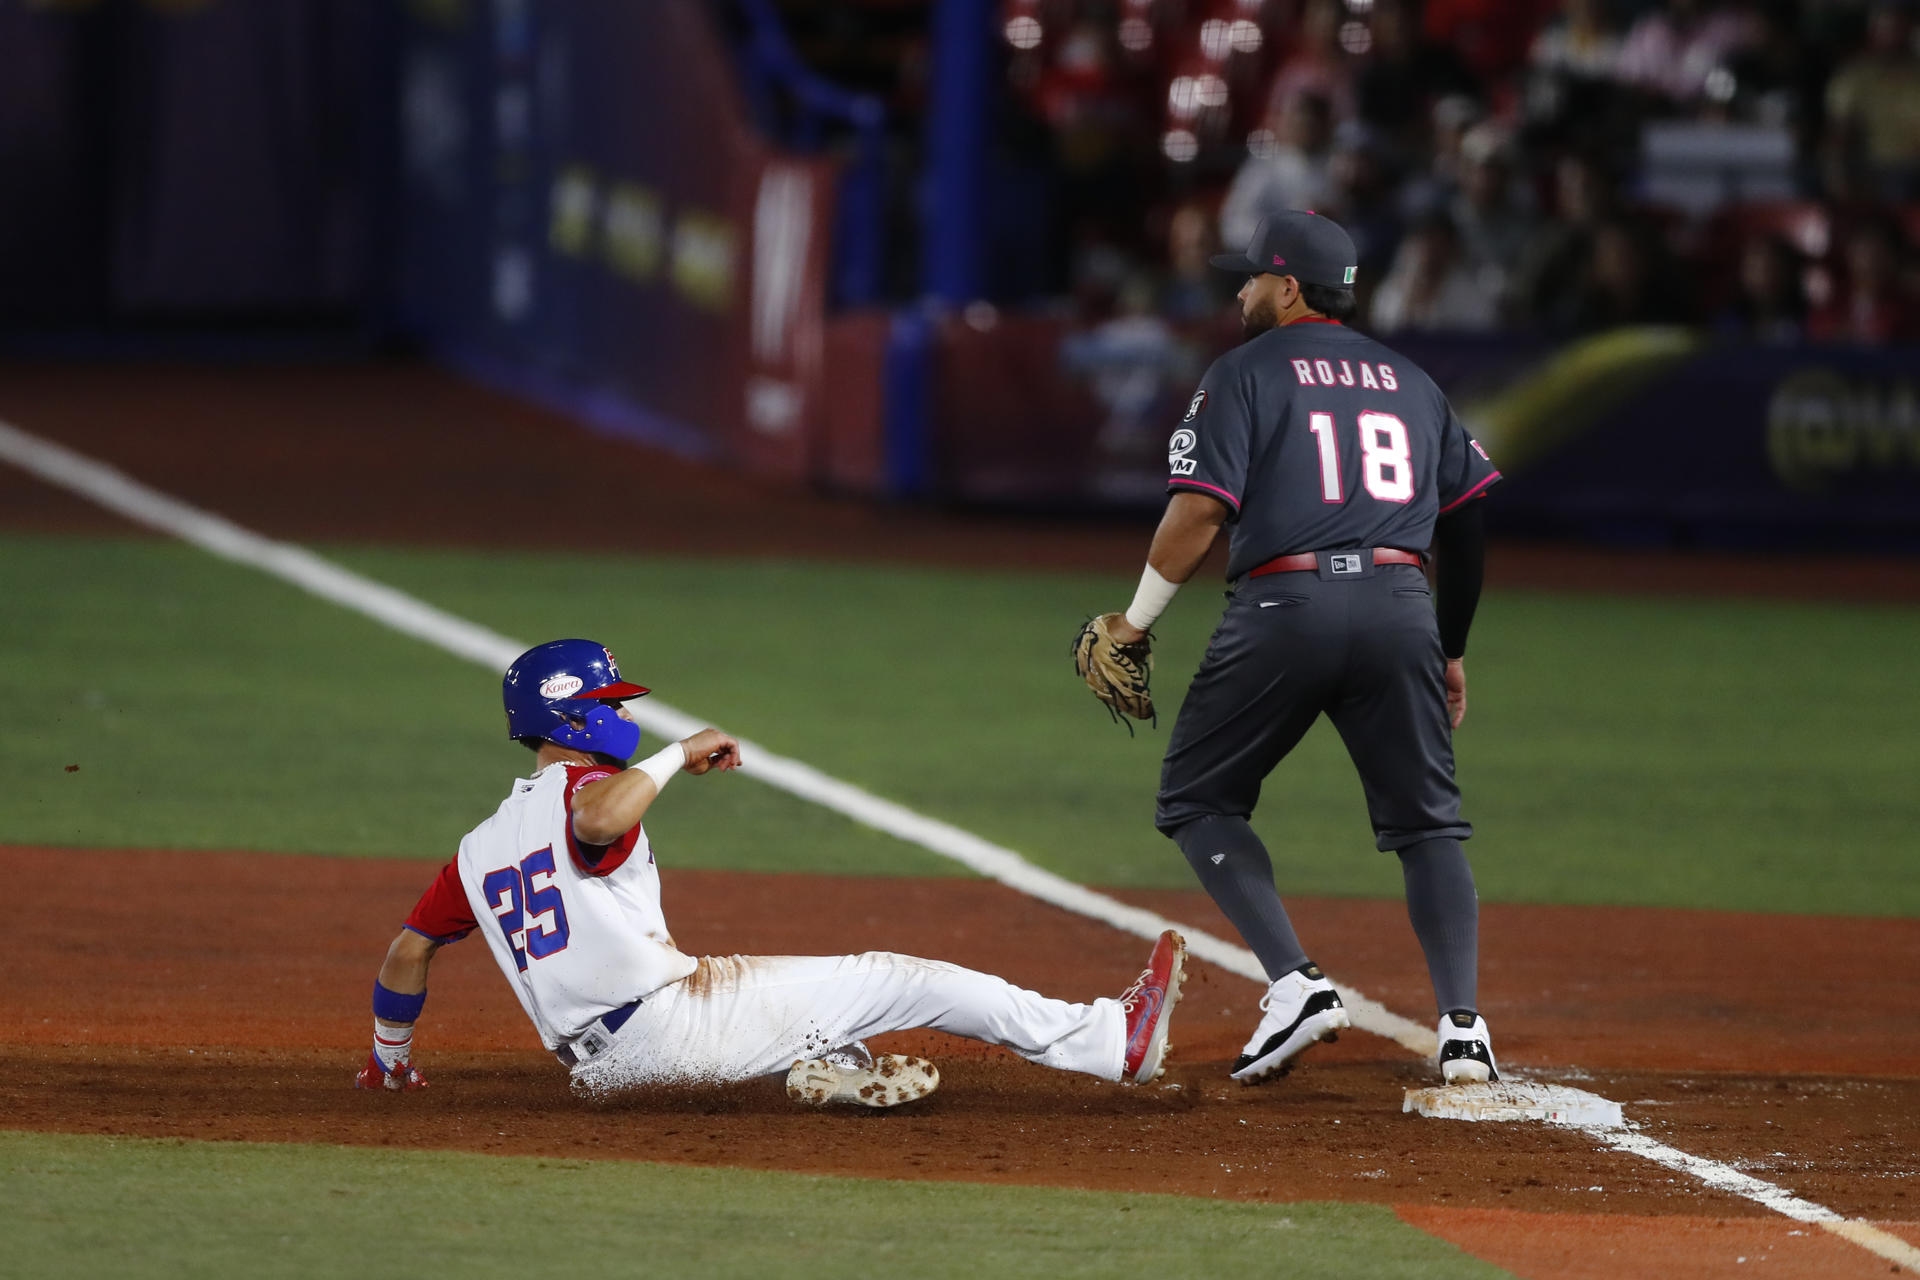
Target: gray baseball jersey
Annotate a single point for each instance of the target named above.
(1319, 438)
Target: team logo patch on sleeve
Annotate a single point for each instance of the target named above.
(1179, 447)
(1194, 406)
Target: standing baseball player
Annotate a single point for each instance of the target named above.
(1338, 463)
(562, 883)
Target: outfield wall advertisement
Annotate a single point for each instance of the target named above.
(589, 214)
(1723, 446)
(1655, 436)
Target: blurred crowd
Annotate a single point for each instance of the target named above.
(1553, 166)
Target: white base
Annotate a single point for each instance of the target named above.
(1515, 1100)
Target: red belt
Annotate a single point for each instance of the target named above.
(1311, 560)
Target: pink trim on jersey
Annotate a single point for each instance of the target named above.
(1210, 488)
(1470, 494)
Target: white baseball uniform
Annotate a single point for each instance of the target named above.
(578, 931)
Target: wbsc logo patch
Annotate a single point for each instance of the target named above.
(1177, 450)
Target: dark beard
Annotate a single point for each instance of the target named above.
(1256, 322)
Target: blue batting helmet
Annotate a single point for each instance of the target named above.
(555, 683)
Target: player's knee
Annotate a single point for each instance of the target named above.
(1180, 825)
(876, 961)
(410, 948)
(1171, 822)
(1403, 840)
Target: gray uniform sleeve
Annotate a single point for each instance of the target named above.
(1466, 471)
(1208, 451)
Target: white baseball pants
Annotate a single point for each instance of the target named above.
(738, 1017)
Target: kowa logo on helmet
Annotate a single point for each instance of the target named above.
(562, 687)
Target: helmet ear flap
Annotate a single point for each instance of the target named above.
(605, 733)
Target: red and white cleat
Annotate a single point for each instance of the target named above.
(402, 1077)
(1149, 1008)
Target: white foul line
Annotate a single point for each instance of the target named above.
(410, 616)
(1726, 1178)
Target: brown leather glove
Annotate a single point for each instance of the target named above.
(1120, 675)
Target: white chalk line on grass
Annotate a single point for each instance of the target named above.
(120, 493)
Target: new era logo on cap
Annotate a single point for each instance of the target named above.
(1279, 261)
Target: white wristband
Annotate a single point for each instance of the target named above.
(663, 764)
(1151, 600)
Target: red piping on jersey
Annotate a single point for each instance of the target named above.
(1313, 320)
(1210, 488)
(1470, 494)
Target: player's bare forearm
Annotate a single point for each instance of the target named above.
(405, 968)
(1186, 533)
(605, 810)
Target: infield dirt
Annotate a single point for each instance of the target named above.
(223, 996)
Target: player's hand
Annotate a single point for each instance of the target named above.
(1125, 632)
(1456, 690)
(711, 749)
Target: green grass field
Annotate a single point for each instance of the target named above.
(1738, 755)
(1752, 756)
(119, 1206)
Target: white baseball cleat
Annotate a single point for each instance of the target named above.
(1302, 1009)
(885, 1080)
(1466, 1049)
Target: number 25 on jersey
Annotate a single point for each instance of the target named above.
(518, 900)
(1386, 457)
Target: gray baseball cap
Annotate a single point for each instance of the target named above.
(1297, 243)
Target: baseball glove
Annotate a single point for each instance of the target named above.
(1120, 675)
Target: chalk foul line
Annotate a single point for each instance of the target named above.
(122, 494)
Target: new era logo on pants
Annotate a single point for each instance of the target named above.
(1344, 564)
